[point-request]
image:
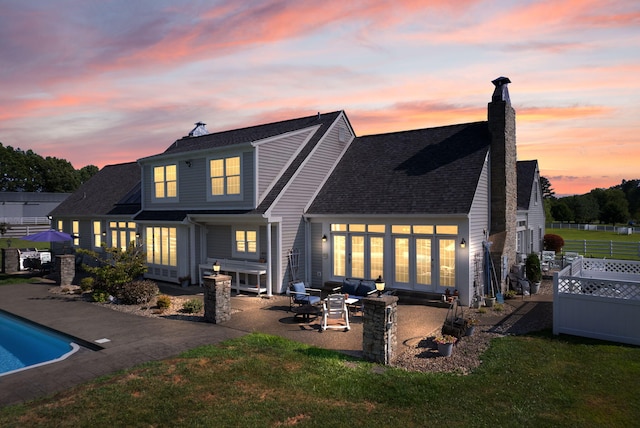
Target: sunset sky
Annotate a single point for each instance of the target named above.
(104, 82)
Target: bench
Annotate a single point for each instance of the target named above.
(235, 268)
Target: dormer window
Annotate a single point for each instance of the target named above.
(225, 176)
(165, 182)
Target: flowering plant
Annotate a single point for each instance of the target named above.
(444, 339)
(471, 322)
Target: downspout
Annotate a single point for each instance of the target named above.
(269, 262)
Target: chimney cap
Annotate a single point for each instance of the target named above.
(198, 130)
(501, 93)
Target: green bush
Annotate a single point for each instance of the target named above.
(100, 296)
(87, 283)
(137, 292)
(192, 306)
(115, 267)
(532, 268)
(163, 301)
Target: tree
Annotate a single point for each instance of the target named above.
(585, 209)
(547, 190)
(561, 211)
(22, 171)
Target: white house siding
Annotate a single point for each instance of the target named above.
(317, 248)
(536, 217)
(274, 156)
(478, 225)
(298, 194)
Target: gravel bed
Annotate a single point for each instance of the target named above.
(514, 318)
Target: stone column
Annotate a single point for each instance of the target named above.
(380, 329)
(10, 260)
(217, 298)
(65, 269)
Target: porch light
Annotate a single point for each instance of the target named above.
(137, 235)
(379, 285)
(216, 268)
(463, 243)
(324, 238)
(104, 233)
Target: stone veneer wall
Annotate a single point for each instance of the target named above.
(504, 181)
(10, 260)
(65, 269)
(217, 298)
(380, 329)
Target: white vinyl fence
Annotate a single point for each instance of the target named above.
(599, 299)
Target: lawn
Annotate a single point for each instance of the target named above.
(261, 380)
(593, 235)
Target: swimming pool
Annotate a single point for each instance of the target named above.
(24, 345)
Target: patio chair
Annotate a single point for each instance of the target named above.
(300, 295)
(335, 313)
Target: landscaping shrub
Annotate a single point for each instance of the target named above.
(114, 267)
(137, 292)
(100, 296)
(87, 283)
(553, 242)
(163, 301)
(192, 306)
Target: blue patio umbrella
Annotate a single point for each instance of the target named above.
(48, 236)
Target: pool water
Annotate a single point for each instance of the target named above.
(24, 345)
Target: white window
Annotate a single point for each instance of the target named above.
(245, 243)
(60, 224)
(161, 245)
(225, 176)
(123, 233)
(97, 234)
(358, 250)
(75, 231)
(165, 181)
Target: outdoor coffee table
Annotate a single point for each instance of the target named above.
(353, 304)
(306, 311)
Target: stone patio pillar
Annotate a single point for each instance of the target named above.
(10, 260)
(65, 269)
(217, 298)
(380, 329)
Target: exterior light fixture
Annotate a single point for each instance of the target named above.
(379, 285)
(463, 243)
(104, 233)
(137, 235)
(324, 238)
(216, 268)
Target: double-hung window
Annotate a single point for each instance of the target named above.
(165, 182)
(225, 176)
(245, 243)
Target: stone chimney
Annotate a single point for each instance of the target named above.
(504, 190)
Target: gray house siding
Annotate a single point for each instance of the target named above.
(298, 194)
(273, 156)
(192, 183)
(478, 225)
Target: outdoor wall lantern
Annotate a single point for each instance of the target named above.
(104, 233)
(379, 285)
(216, 268)
(463, 243)
(188, 163)
(324, 238)
(137, 235)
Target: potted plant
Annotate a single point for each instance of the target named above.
(185, 281)
(445, 344)
(471, 326)
(533, 272)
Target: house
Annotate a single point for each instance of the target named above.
(306, 199)
(102, 208)
(24, 213)
(530, 218)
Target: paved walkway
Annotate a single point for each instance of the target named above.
(134, 339)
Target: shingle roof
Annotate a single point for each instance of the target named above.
(526, 171)
(111, 191)
(425, 171)
(248, 134)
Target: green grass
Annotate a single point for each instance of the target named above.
(262, 380)
(593, 235)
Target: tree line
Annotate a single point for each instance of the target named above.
(27, 171)
(618, 204)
